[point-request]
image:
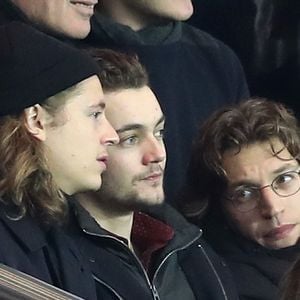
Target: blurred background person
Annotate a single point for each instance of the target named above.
(265, 34)
(63, 18)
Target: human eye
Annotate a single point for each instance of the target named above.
(285, 180)
(129, 141)
(96, 114)
(159, 134)
(243, 194)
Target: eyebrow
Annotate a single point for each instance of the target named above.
(135, 126)
(285, 168)
(162, 119)
(100, 105)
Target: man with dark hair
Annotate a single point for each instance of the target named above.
(243, 189)
(191, 73)
(139, 247)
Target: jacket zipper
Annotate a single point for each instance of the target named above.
(214, 270)
(151, 287)
(206, 256)
(174, 251)
(108, 286)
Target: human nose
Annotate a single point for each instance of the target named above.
(109, 135)
(270, 204)
(154, 151)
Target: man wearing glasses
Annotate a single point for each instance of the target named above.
(243, 188)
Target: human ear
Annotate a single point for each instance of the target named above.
(35, 120)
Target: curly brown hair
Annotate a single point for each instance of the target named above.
(233, 127)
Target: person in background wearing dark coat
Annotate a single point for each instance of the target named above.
(290, 288)
(191, 73)
(243, 189)
(139, 247)
(51, 105)
(265, 36)
(64, 18)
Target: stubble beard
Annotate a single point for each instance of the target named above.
(129, 202)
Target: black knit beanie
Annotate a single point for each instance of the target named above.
(35, 66)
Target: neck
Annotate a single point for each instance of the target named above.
(121, 13)
(116, 222)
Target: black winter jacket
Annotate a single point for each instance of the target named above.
(187, 268)
(48, 255)
(257, 271)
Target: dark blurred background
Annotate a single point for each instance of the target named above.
(265, 34)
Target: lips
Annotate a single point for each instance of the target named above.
(85, 3)
(279, 233)
(85, 8)
(103, 159)
(153, 177)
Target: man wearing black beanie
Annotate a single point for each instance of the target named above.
(53, 139)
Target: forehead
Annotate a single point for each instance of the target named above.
(256, 160)
(138, 106)
(87, 93)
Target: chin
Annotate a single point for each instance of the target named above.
(144, 204)
(92, 186)
(279, 245)
(183, 16)
(158, 199)
(77, 32)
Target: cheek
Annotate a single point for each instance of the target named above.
(122, 159)
(56, 9)
(293, 204)
(244, 223)
(117, 165)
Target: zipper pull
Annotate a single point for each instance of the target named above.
(155, 293)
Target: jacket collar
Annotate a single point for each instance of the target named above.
(184, 232)
(109, 31)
